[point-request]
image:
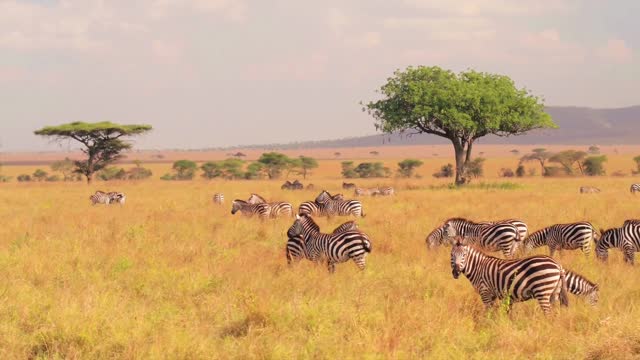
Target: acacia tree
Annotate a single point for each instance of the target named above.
(460, 107)
(540, 155)
(306, 164)
(102, 142)
(568, 159)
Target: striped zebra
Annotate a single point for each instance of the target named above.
(436, 237)
(218, 198)
(522, 227)
(295, 250)
(581, 286)
(116, 197)
(578, 235)
(278, 208)
(385, 191)
(334, 248)
(535, 277)
(333, 207)
(100, 197)
(625, 238)
(261, 210)
(635, 188)
(589, 190)
(491, 237)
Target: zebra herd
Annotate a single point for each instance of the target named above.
(101, 197)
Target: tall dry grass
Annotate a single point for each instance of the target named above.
(170, 275)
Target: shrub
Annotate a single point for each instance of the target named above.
(446, 171)
(594, 165)
(475, 168)
(112, 173)
(24, 178)
(40, 175)
(53, 178)
(407, 166)
(520, 171)
(184, 169)
(167, 177)
(506, 172)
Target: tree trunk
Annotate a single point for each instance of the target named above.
(89, 178)
(460, 157)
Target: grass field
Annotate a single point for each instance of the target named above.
(170, 275)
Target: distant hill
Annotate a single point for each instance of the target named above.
(578, 126)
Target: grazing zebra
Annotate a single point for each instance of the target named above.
(589, 190)
(348, 186)
(522, 227)
(333, 207)
(278, 208)
(261, 210)
(535, 277)
(295, 250)
(635, 188)
(218, 198)
(295, 185)
(100, 197)
(491, 237)
(365, 192)
(116, 197)
(625, 238)
(581, 286)
(385, 191)
(572, 236)
(334, 248)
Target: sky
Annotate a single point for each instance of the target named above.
(211, 73)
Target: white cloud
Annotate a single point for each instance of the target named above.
(490, 7)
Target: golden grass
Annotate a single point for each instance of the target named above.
(170, 275)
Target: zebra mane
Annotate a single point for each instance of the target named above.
(258, 196)
(241, 201)
(459, 219)
(604, 231)
(309, 220)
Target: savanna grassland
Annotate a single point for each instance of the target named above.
(171, 275)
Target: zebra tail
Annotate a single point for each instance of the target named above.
(564, 297)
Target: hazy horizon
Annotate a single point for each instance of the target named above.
(218, 73)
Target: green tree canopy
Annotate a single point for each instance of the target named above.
(594, 165)
(460, 107)
(407, 166)
(274, 163)
(66, 167)
(568, 159)
(184, 169)
(540, 155)
(102, 141)
(306, 164)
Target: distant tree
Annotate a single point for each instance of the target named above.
(568, 159)
(637, 161)
(540, 155)
(594, 165)
(254, 171)
(239, 155)
(112, 173)
(520, 171)
(515, 151)
(24, 178)
(138, 172)
(307, 164)
(211, 169)
(337, 154)
(372, 170)
(374, 153)
(102, 142)
(274, 163)
(407, 166)
(40, 175)
(446, 171)
(53, 178)
(232, 169)
(66, 167)
(460, 107)
(348, 170)
(593, 150)
(506, 172)
(184, 169)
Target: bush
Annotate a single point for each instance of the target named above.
(167, 177)
(348, 170)
(520, 171)
(554, 171)
(594, 165)
(446, 171)
(53, 178)
(139, 173)
(40, 175)
(407, 166)
(475, 168)
(372, 170)
(506, 172)
(112, 173)
(24, 178)
(184, 169)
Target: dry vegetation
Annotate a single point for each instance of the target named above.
(170, 275)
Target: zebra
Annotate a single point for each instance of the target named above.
(261, 210)
(522, 227)
(348, 186)
(365, 192)
(538, 277)
(492, 237)
(436, 237)
(333, 207)
(295, 250)
(277, 208)
(625, 238)
(635, 188)
(581, 286)
(334, 248)
(589, 190)
(578, 235)
(385, 191)
(116, 197)
(100, 197)
(311, 208)
(218, 198)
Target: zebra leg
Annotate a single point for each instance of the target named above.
(360, 261)
(545, 302)
(629, 257)
(332, 266)
(552, 251)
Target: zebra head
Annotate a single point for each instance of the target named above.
(337, 197)
(256, 199)
(302, 225)
(237, 205)
(608, 238)
(459, 253)
(448, 230)
(436, 237)
(323, 197)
